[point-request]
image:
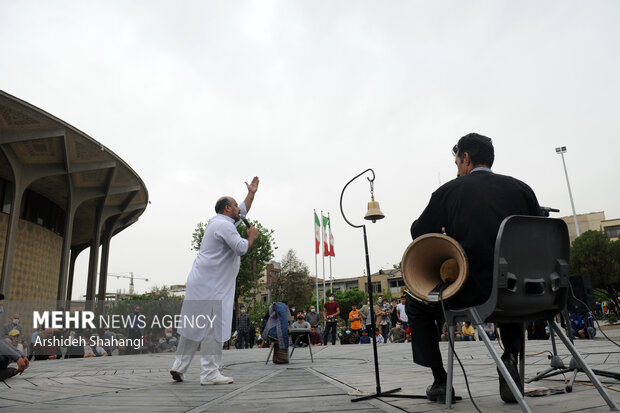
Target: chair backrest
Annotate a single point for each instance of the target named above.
(530, 273)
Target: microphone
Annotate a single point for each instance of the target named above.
(245, 221)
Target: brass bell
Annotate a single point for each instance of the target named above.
(374, 212)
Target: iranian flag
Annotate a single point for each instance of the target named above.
(331, 242)
(317, 235)
(325, 239)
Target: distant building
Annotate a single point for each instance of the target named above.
(383, 280)
(61, 192)
(177, 290)
(593, 221)
(611, 228)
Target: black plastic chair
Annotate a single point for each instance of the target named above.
(530, 282)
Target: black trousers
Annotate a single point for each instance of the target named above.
(426, 320)
(333, 327)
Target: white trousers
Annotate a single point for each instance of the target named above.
(209, 361)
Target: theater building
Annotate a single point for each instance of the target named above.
(61, 192)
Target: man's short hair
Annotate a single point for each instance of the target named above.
(479, 148)
(221, 204)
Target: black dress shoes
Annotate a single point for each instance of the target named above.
(437, 393)
(504, 389)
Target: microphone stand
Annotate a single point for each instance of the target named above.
(378, 393)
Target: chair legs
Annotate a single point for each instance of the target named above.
(295, 346)
(498, 361)
(586, 369)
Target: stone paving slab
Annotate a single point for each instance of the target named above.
(141, 383)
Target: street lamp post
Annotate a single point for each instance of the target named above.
(562, 150)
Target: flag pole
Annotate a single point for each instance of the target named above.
(331, 279)
(322, 237)
(316, 271)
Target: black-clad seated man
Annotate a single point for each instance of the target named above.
(470, 208)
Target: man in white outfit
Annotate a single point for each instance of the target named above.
(210, 289)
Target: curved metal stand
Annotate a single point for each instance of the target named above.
(379, 393)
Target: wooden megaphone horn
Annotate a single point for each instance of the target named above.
(434, 264)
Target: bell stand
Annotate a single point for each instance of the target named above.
(557, 365)
(373, 214)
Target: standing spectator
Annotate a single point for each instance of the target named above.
(355, 319)
(12, 325)
(469, 334)
(244, 324)
(383, 316)
(135, 331)
(402, 315)
(313, 317)
(331, 310)
(315, 320)
(393, 313)
(365, 313)
(397, 334)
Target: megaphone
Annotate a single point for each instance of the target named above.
(434, 266)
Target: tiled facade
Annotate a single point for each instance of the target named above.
(36, 267)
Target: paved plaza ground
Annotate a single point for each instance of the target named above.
(141, 383)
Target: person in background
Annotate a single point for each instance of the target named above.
(331, 311)
(356, 320)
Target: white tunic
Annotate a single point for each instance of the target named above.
(213, 276)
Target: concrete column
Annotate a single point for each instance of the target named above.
(66, 248)
(11, 237)
(75, 251)
(103, 271)
(93, 260)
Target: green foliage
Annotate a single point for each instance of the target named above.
(253, 263)
(258, 311)
(293, 285)
(611, 318)
(197, 235)
(595, 255)
(346, 299)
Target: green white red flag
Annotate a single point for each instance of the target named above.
(331, 242)
(317, 235)
(325, 239)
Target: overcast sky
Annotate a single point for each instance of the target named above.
(200, 96)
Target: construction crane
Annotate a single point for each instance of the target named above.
(130, 276)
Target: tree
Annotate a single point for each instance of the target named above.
(595, 255)
(252, 264)
(346, 299)
(293, 285)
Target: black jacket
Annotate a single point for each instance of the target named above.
(471, 208)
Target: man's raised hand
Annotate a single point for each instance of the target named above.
(253, 186)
